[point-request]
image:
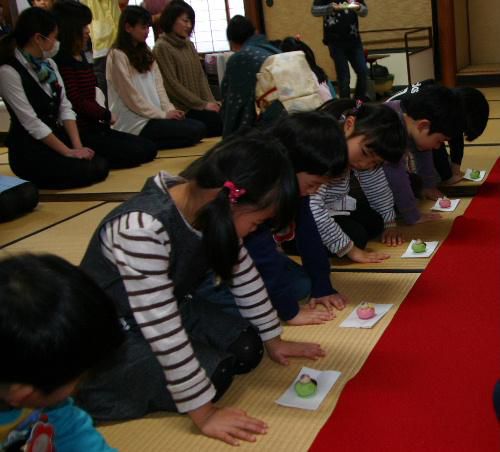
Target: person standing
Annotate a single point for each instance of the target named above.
(103, 29)
(341, 35)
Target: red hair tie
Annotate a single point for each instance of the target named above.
(234, 191)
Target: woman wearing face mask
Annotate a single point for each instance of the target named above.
(44, 143)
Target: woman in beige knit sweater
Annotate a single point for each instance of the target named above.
(183, 76)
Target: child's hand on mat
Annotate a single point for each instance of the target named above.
(227, 424)
(432, 193)
(309, 316)
(280, 350)
(335, 300)
(392, 237)
(366, 257)
(425, 217)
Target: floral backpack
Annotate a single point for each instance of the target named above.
(287, 78)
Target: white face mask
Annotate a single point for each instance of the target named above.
(53, 51)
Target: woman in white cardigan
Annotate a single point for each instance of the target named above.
(137, 96)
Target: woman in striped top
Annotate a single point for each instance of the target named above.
(121, 150)
(153, 251)
(374, 134)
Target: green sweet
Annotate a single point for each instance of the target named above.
(475, 174)
(419, 247)
(305, 389)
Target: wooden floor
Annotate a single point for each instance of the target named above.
(65, 220)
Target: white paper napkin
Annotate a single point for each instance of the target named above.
(431, 247)
(453, 206)
(325, 379)
(482, 173)
(353, 321)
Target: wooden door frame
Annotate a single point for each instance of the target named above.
(253, 10)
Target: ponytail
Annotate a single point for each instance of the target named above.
(250, 170)
(220, 240)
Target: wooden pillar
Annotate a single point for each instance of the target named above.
(447, 44)
(253, 10)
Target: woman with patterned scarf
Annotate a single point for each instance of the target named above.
(44, 143)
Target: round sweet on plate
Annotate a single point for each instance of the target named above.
(306, 386)
(418, 246)
(365, 311)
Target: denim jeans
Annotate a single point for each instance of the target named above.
(294, 287)
(343, 54)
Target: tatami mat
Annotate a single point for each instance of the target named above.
(492, 133)
(289, 429)
(475, 157)
(495, 108)
(4, 159)
(44, 216)
(193, 151)
(491, 93)
(120, 184)
(68, 239)
(430, 231)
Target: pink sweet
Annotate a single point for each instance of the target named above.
(445, 203)
(365, 311)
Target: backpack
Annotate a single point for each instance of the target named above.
(287, 78)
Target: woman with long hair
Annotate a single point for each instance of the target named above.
(121, 150)
(135, 87)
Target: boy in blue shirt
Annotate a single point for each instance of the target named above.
(55, 325)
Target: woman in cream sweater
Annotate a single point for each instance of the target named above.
(136, 93)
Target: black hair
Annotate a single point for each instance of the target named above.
(256, 163)
(476, 111)
(55, 322)
(172, 12)
(437, 104)
(72, 17)
(140, 55)
(381, 126)
(314, 142)
(30, 22)
(239, 29)
(291, 44)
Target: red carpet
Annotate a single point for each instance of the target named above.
(427, 385)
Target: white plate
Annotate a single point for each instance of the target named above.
(482, 173)
(454, 204)
(431, 247)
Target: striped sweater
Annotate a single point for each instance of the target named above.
(80, 82)
(378, 193)
(139, 246)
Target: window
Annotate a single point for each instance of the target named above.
(212, 17)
